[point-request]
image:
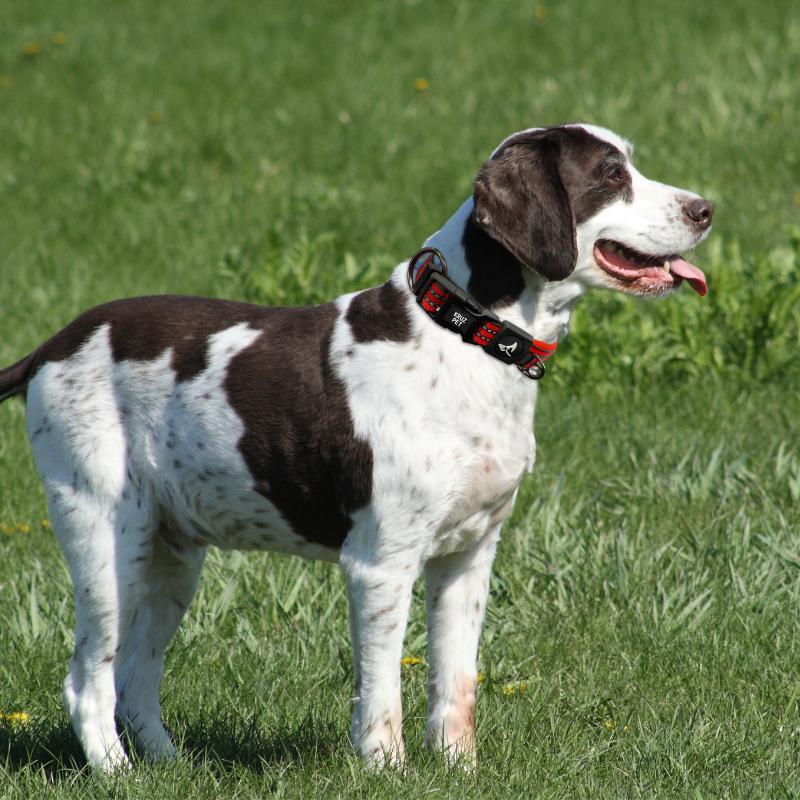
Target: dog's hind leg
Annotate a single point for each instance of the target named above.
(172, 581)
(105, 517)
(108, 550)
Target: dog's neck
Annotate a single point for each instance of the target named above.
(499, 281)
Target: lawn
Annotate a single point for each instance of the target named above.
(642, 633)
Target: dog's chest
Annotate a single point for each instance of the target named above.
(489, 462)
(451, 433)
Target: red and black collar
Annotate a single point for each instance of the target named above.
(451, 307)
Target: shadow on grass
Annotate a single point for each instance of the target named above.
(216, 744)
(54, 750)
(249, 743)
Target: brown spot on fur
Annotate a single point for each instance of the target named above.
(380, 314)
(459, 728)
(378, 614)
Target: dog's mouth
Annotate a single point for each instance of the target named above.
(647, 274)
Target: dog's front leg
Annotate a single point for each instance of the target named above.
(379, 591)
(456, 590)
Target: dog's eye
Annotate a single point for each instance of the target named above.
(615, 175)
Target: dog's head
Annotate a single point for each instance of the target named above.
(568, 201)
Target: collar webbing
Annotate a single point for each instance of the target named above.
(451, 307)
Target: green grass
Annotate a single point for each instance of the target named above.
(646, 589)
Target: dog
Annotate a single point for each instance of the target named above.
(387, 431)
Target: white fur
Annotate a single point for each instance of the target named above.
(121, 448)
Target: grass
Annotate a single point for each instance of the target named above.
(645, 592)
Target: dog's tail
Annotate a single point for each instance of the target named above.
(14, 379)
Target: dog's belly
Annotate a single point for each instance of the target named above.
(218, 506)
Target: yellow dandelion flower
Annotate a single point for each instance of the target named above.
(15, 717)
(6, 81)
(31, 48)
(509, 689)
(522, 687)
(6, 528)
(539, 13)
(45, 523)
(58, 38)
(23, 527)
(626, 728)
(481, 678)
(154, 117)
(410, 661)
(421, 85)
(609, 724)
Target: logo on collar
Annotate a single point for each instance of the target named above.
(451, 307)
(507, 349)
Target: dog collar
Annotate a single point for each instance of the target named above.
(451, 307)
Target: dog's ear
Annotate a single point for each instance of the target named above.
(521, 202)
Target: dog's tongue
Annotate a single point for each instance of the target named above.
(689, 272)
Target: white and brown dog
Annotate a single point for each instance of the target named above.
(358, 431)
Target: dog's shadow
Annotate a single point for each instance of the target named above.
(252, 745)
(216, 744)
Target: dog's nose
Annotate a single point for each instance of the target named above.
(698, 212)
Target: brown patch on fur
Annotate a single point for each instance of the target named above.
(459, 726)
(380, 314)
(299, 443)
(143, 328)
